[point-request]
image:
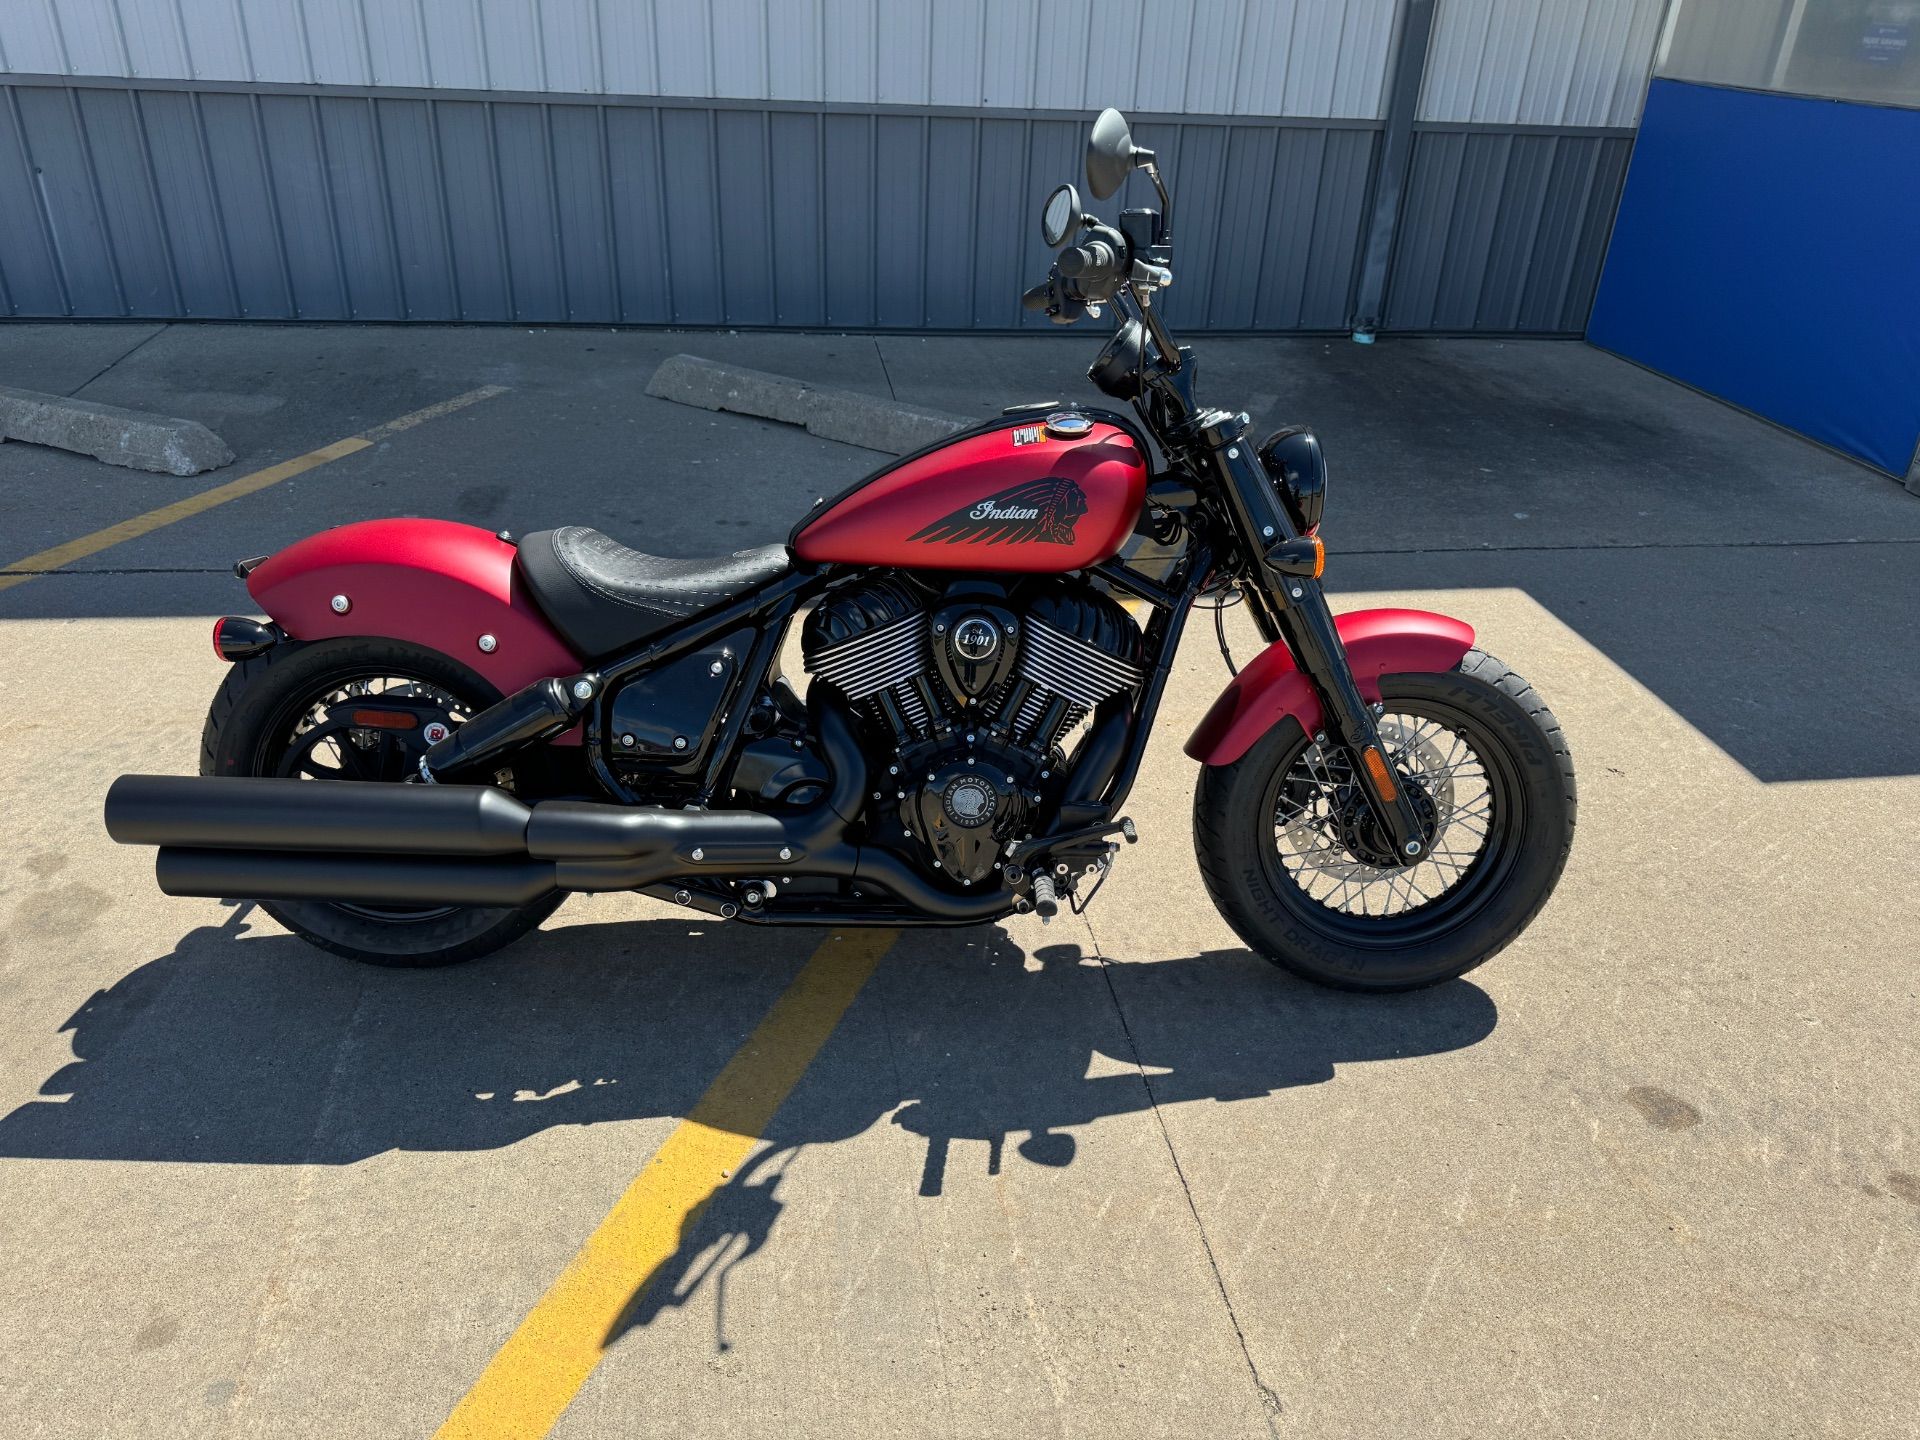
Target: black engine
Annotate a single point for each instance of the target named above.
(965, 695)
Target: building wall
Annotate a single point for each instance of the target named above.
(858, 163)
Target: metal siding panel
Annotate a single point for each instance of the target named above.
(423, 248)
(1339, 211)
(903, 246)
(685, 49)
(29, 39)
(799, 220)
(796, 45)
(471, 190)
(953, 176)
(276, 41)
(1563, 205)
(1112, 46)
(1475, 204)
(1728, 42)
(359, 208)
(236, 153)
(1515, 224)
(1060, 83)
(852, 46)
(958, 45)
(27, 260)
(1365, 55)
(69, 201)
(1603, 198)
(216, 47)
(523, 165)
(397, 44)
(738, 37)
(570, 45)
(860, 148)
(904, 58)
(743, 176)
(337, 44)
(118, 155)
(91, 32)
(639, 216)
(693, 240)
(299, 178)
(1540, 62)
(189, 208)
(1010, 61)
(627, 57)
(155, 43)
(1002, 215)
(580, 187)
(510, 33)
(456, 44)
(1420, 251)
(1165, 47)
(1054, 157)
(1198, 156)
(1248, 240)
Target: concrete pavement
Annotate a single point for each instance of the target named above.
(1654, 1170)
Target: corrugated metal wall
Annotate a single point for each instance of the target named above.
(1321, 58)
(789, 162)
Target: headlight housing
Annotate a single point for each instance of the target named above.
(1298, 470)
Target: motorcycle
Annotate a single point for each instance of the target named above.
(1380, 805)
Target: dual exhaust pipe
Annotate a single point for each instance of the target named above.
(422, 845)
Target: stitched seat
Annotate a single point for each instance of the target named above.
(603, 597)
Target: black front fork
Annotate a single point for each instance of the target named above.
(1290, 606)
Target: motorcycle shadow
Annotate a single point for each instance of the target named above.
(256, 1049)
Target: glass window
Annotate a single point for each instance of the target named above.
(1865, 50)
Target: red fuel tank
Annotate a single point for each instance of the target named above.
(1024, 495)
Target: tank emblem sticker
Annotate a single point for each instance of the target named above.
(1030, 435)
(1040, 510)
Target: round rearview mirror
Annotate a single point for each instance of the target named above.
(1060, 218)
(1110, 151)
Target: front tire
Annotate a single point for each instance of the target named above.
(255, 727)
(1288, 855)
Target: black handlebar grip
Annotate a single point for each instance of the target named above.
(1091, 261)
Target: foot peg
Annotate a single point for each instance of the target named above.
(1046, 901)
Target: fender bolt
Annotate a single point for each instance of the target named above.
(340, 604)
(487, 644)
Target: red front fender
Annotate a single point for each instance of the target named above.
(1378, 642)
(431, 582)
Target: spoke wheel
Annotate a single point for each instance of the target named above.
(1300, 868)
(1331, 847)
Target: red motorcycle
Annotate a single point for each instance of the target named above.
(1381, 805)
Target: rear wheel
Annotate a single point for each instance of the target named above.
(363, 710)
(1296, 863)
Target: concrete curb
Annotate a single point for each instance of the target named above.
(842, 415)
(132, 438)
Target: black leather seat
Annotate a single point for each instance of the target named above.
(603, 597)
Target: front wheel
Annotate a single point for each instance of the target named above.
(1290, 852)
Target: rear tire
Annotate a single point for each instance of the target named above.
(1248, 814)
(249, 731)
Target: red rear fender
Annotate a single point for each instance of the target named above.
(1378, 642)
(429, 582)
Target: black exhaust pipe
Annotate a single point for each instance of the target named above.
(462, 844)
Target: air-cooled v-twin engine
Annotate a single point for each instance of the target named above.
(965, 694)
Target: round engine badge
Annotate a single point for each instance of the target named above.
(1068, 425)
(969, 801)
(976, 638)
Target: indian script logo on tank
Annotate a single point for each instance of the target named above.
(1042, 510)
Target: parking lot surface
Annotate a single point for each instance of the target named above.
(1654, 1170)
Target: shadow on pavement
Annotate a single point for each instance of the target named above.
(260, 1050)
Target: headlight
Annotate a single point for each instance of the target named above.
(1299, 473)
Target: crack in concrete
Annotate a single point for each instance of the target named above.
(137, 346)
(1270, 1401)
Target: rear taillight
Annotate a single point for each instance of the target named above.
(235, 637)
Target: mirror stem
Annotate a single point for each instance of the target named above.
(1145, 159)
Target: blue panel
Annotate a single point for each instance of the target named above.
(1765, 253)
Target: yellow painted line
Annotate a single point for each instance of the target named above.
(536, 1374)
(60, 556)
